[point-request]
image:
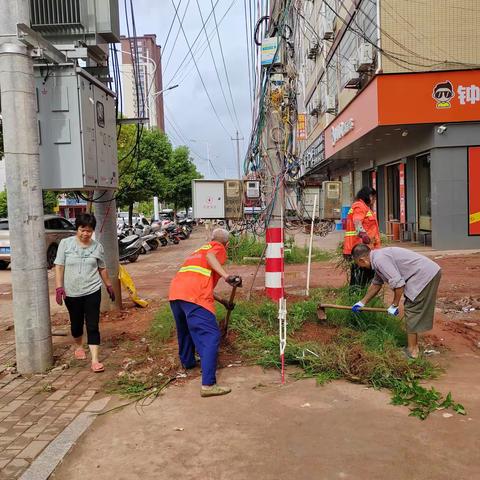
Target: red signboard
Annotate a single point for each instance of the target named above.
(474, 191)
(401, 170)
(301, 126)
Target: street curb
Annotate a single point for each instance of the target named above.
(43, 466)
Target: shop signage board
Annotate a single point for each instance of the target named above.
(301, 127)
(474, 191)
(314, 154)
(406, 99)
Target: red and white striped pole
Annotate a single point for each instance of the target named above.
(274, 263)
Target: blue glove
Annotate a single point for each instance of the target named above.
(357, 307)
(393, 310)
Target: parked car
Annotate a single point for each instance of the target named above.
(56, 228)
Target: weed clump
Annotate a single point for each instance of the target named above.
(248, 249)
(365, 349)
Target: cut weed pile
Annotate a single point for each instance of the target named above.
(363, 348)
(248, 249)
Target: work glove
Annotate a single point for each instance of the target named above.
(111, 293)
(364, 238)
(234, 280)
(357, 307)
(393, 310)
(60, 295)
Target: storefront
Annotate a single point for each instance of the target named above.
(416, 139)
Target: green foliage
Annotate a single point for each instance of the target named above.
(3, 204)
(250, 246)
(140, 178)
(363, 348)
(50, 201)
(162, 326)
(423, 401)
(176, 179)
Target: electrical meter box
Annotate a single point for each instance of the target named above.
(331, 200)
(77, 130)
(308, 200)
(252, 188)
(208, 198)
(233, 199)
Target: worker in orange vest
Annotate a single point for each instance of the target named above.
(193, 305)
(362, 227)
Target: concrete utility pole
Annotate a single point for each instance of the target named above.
(237, 139)
(106, 234)
(31, 307)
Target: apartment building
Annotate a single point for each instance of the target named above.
(390, 90)
(150, 101)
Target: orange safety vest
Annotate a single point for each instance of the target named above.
(195, 281)
(360, 211)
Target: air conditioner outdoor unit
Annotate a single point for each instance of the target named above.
(328, 28)
(365, 57)
(313, 52)
(352, 76)
(331, 105)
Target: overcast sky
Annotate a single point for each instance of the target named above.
(187, 106)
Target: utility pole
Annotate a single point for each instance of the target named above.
(31, 309)
(237, 139)
(106, 234)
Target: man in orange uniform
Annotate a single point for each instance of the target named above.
(362, 227)
(193, 306)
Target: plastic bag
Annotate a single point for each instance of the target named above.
(127, 282)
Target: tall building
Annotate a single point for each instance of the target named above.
(390, 91)
(149, 102)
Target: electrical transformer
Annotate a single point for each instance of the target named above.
(77, 130)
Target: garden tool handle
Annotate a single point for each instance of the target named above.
(345, 307)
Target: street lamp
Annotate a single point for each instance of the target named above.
(155, 94)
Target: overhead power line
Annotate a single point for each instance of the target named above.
(200, 74)
(215, 63)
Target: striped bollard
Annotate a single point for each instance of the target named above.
(274, 263)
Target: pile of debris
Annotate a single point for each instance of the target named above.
(463, 305)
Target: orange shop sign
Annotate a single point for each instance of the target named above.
(301, 126)
(433, 97)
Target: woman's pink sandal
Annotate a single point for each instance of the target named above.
(80, 354)
(98, 367)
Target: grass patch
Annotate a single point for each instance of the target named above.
(365, 349)
(251, 247)
(162, 327)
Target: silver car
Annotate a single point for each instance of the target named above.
(56, 228)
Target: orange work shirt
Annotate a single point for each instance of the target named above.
(195, 281)
(360, 211)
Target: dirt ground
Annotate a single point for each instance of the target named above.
(263, 430)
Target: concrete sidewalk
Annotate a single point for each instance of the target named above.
(35, 409)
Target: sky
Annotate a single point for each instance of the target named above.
(188, 112)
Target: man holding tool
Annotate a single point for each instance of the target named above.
(407, 273)
(193, 306)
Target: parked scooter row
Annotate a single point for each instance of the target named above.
(142, 237)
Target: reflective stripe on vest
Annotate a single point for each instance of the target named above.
(196, 269)
(204, 247)
(351, 233)
(369, 214)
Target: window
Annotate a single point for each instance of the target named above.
(53, 224)
(4, 225)
(66, 225)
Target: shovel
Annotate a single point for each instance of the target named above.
(228, 305)
(322, 314)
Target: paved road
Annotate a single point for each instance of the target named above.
(299, 431)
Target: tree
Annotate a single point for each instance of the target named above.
(140, 166)
(49, 203)
(176, 179)
(3, 204)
